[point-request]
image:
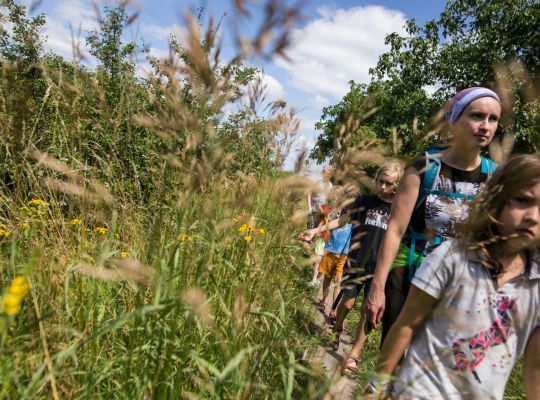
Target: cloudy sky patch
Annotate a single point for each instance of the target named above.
(338, 46)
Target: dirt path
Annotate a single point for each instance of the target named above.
(330, 360)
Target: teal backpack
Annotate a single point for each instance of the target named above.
(433, 167)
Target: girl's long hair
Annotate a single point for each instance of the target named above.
(479, 232)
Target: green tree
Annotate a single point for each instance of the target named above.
(115, 57)
(473, 42)
(22, 86)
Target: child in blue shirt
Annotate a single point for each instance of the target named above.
(335, 253)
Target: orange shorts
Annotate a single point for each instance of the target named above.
(332, 264)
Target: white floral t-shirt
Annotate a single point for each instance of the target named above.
(476, 333)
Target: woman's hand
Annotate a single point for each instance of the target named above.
(375, 304)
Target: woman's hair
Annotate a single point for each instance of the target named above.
(465, 97)
(393, 169)
(479, 232)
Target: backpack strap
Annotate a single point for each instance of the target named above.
(415, 257)
(488, 166)
(433, 167)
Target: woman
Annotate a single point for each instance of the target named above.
(423, 215)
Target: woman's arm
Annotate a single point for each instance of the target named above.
(309, 203)
(531, 369)
(400, 215)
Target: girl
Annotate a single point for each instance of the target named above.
(474, 304)
(316, 199)
(431, 197)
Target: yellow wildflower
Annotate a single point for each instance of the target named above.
(15, 295)
(248, 238)
(124, 254)
(101, 230)
(4, 233)
(261, 231)
(75, 221)
(25, 225)
(183, 237)
(244, 228)
(38, 202)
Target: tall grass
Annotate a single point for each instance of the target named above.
(205, 307)
(154, 230)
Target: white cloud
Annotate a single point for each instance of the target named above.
(319, 101)
(304, 142)
(75, 13)
(339, 46)
(272, 87)
(163, 33)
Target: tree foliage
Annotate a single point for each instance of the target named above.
(115, 125)
(473, 42)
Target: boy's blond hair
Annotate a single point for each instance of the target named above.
(393, 169)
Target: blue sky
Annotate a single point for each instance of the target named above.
(335, 42)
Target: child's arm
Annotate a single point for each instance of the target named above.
(334, 224)
(417, 308)
(531, 369)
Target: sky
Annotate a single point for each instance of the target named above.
(334, 42)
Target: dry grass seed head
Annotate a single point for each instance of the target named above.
(198, 304)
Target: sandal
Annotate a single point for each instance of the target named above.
(321, 306)
(335, 343)
(332, 317)
(350, 365)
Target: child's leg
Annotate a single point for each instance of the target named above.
(362, 330)
(326, 287)
(337, 287)
(345, 306)
(350, 363)
(337, 300)
(315, 273)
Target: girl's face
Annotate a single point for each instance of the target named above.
(477, 124)
(520, 218)
(327, 174)
(386, 185)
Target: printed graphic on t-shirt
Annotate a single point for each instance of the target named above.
(470, 352)
(442, 212)
(378, 218)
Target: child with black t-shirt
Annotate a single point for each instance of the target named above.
(368, 216)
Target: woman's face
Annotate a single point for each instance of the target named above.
(477, 123)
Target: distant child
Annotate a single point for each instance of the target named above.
(474, 305)
(335, 251)
(316, 201)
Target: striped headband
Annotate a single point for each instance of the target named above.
(464, 98)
